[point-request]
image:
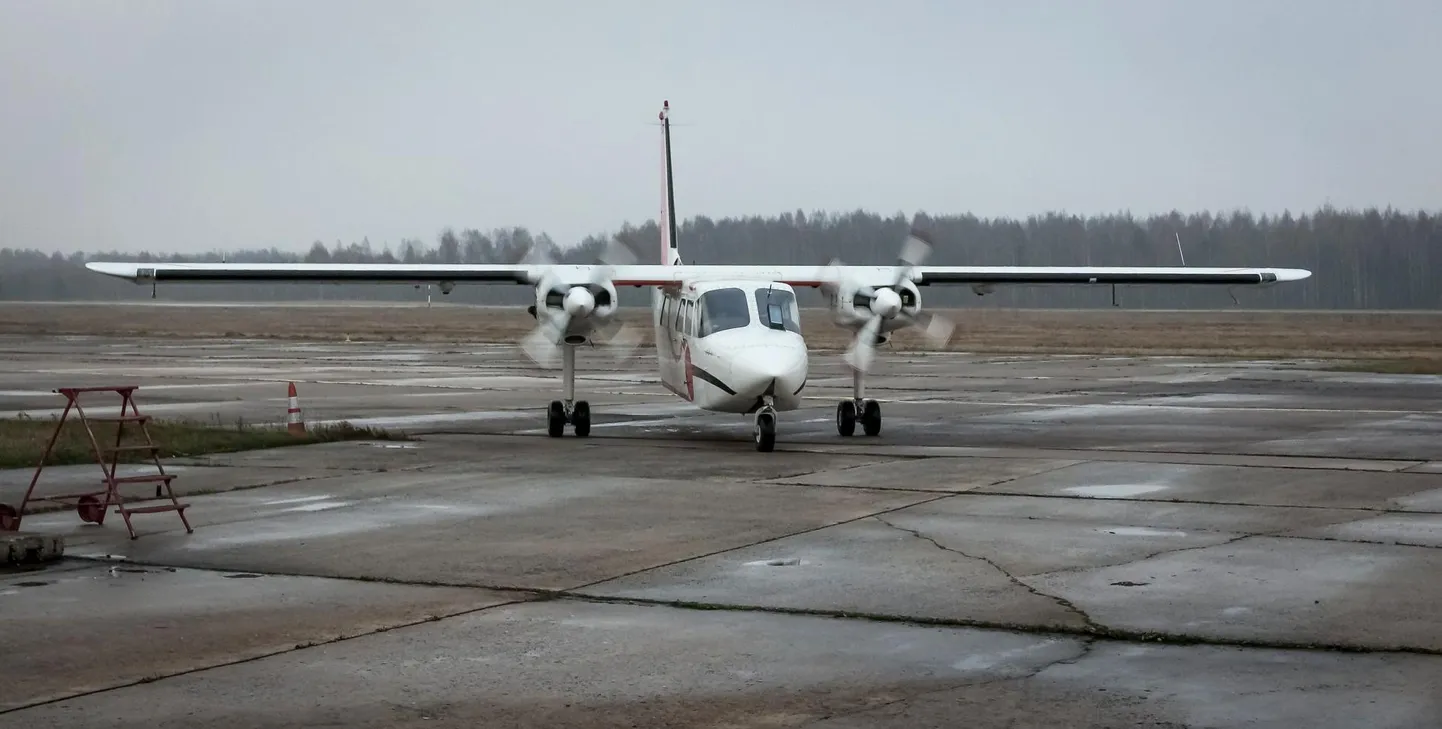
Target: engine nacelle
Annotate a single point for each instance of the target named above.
(584, 305)
(852, 308)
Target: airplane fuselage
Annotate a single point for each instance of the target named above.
(731, 345)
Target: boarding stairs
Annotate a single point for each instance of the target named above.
(92, 506)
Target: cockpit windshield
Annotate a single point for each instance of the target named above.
(777, 309)
(723, 309)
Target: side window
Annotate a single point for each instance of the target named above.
(778, 310)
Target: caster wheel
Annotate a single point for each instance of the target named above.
(556, 419)
(846, 417)
(581, 418)
(871, 417)
(89, 509)
(765, 432)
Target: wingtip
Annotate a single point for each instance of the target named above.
(119, 270)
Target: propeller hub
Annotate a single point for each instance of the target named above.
(578, 301)
(886, 303)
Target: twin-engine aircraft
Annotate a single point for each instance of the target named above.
(728, 338)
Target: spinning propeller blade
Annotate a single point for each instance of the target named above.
(886, 304)
(543, 343)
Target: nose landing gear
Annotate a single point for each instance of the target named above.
(764, 431)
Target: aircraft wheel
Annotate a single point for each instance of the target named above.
(581, 418)
(846, 417)
(871, 417)
(765, 432)
(556, 419)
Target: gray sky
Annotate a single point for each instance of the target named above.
(192, 125)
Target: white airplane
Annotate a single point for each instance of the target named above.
(728, 337)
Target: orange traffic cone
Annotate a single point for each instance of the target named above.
(294, 423)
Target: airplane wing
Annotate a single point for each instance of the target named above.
(659, 275)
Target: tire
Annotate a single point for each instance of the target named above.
(556, 419)
(765, 432)
(871, 417)
(846, 418)
(581, 418)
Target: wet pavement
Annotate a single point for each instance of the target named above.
(1063, 541)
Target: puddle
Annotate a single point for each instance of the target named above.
(297, 500)
(785, 562)
(1115, 491)
(319, 506)
(1143, 532)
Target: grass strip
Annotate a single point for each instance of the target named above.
(23, 439)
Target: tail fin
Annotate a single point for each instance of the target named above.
(670, 254)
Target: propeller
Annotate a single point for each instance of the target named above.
(543, 343)
(885, 303)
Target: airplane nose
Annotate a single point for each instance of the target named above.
(758, 367)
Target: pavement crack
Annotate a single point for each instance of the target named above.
(1153, 555)
(1091, 626)
(1085, 645)
(759, 542)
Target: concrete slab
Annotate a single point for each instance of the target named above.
(1268, 590)
(868, 568)
(1417, 530)
(983, 560)
(496, 530)
(1429, 500)
(930, 474)
(87, 627)
(1223, 485)
(568, 664)
(1130, 685)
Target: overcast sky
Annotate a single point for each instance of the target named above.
(193, 125)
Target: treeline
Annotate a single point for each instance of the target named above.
(1370, 259)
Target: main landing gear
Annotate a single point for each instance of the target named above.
(570, 410)
(577, 413)
(848, 412)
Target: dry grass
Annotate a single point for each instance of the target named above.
(22, 440)
(1408, 340)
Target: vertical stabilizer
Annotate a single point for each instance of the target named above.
(670, 254)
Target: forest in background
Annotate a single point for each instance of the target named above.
(1368, 259)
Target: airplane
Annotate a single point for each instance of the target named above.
(727, 337)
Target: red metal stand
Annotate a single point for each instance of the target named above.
(93, 505)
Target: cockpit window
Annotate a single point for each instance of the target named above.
(723, 309)
(778, 310)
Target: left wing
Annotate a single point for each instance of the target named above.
(659, 275)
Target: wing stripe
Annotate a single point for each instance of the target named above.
(376, 275)
(1099, 277)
